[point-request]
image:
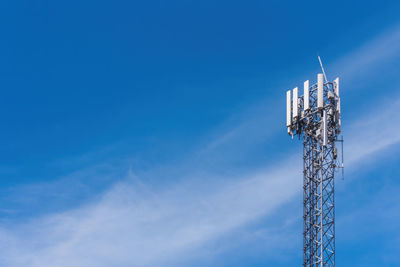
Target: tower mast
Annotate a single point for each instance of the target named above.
(315, 117)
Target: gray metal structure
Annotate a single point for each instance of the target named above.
(315, 117)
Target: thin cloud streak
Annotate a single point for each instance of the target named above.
(373, 132)
(370, 56)
(132, 227)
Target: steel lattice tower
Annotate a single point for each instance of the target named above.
(315, 116)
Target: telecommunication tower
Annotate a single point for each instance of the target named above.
(315, 116)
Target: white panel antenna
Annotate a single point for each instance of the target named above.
(307, 95)
(288, 109)
(337, 94)
(338, 102)
(295, 103)
(320, 91)
(337, 87)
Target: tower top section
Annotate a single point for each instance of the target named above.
(315, 113)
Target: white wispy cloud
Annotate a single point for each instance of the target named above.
(378, 129)
(370, 56)
(132, 226)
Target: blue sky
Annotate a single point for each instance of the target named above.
(153, 133)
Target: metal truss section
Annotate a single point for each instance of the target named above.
(319, 205)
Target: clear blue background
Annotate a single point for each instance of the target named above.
(143, 84)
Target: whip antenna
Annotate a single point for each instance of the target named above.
(322, 67)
